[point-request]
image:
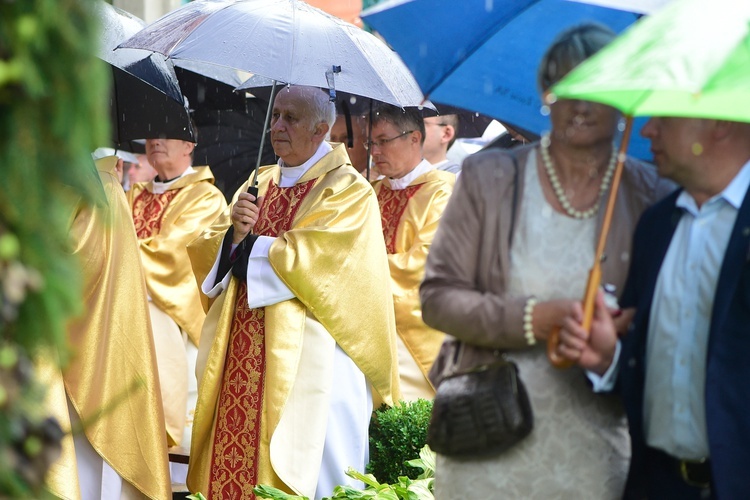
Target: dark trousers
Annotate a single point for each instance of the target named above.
(664, 481)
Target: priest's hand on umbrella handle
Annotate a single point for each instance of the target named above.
(245, 213)
(589, 302)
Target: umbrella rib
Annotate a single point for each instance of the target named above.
(294, 37)
(187, 34)
(638, 101)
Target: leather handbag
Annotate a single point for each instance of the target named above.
(481, 411)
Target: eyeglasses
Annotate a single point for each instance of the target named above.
(382, 142)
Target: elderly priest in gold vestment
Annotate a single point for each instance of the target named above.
(111, 386)
(302, 328)
(169, 212)
(412, 196)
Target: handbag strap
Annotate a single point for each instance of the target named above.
(455, 361)
(514, 206)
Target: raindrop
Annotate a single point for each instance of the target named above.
(550, 98)
(544, 110)
(621, 126)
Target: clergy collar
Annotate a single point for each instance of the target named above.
(402, 183)
(161, 187)
(290, 175)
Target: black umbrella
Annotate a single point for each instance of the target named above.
(229, 124)
(470, 123)
(146, 98)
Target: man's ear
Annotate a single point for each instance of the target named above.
(448, 134)
(189, 146)
(321, 130)
(723, 129)
(120, 168)
(417, 138)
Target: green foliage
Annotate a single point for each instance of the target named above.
(396, 435)
(263, 491)
(30, 441)
(403, 488)
(53, 113)
(53, 96)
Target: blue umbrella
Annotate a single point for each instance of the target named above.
(482, 55)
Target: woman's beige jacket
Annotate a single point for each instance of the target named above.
(464, 290)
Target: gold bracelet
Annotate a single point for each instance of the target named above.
(528, 327)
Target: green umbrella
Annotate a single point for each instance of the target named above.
(691, 58)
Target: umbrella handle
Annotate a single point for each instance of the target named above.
(595, 274)
(589, 300)
(266, 123)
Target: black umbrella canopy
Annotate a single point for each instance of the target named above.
(470, 123)
(229, 124)
(207, 85)
(228, 141)
(146, 99)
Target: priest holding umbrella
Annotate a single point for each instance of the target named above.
(301, 333)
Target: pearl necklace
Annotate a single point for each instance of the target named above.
(557, 187)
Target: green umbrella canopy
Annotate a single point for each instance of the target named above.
(690, 59)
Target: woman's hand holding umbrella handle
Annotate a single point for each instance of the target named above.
(591, 348)
(589, 301)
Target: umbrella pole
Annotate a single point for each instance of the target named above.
(369, 137)
(266, 123)
(595, 274)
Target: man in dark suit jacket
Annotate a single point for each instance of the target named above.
(683, 365)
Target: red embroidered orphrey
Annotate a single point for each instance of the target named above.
(148, 210)
(392, 205)
(234, 461)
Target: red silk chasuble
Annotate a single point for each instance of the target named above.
(148, 209)
(392, 205)
(234, 470)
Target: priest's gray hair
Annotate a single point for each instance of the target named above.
(569, 49)
(322, 110)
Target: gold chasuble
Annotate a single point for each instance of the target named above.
(410, 219)
(165, 223)
(111, 381)
(329, 252)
